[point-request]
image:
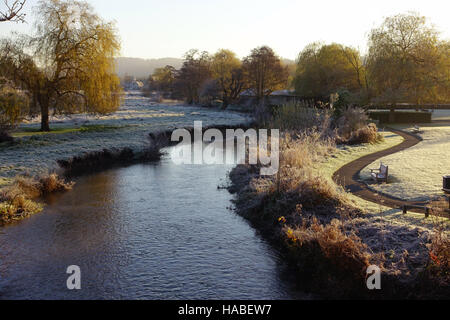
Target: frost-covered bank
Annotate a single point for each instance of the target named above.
(331, 240)
(127, 128)
(86, 144)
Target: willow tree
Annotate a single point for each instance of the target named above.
(227, 71)
(325, 69)
(71, 65)
(407, 62)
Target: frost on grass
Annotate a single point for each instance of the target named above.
(35, 154)
(416, 173)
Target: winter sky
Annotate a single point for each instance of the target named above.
(168, 28)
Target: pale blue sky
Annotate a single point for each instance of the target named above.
(168, 28)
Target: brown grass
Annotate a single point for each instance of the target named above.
(440, 250)
(297, 177)
(367, 134)
(329, 240)
(52, 183)
(345, 251)
(439, 246)
(18, 200)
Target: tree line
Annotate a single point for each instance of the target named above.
(67, 66)
(406, 62)
(222, 76)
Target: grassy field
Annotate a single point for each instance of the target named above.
(35, 153)
(416, 173)
(347, 154)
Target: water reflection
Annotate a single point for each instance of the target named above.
(144, 232)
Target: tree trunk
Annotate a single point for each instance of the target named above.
(45, 127)
(225, 104)
(392, 114)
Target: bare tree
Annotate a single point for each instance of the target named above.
(265, 72)
(13, 11)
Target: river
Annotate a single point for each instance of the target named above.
(151, 231)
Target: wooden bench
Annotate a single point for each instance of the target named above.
(381, 174)
(426, 209)
(416, 130)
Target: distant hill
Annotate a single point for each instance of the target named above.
(287, 61)
(142, 68)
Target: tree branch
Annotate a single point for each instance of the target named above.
(12, 12)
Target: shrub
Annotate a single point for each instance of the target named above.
(342, 100)
(439, 255)
(51, 183)
(352, 120)
(297, 116)
(297, 182)
(367, 134)
(13, 105)
(346, 251)
(17, 201)
(17, 208)
(329, 257)
(440, 250)
(5, 137)
(156, 141)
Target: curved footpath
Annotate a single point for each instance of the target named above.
(348, 176)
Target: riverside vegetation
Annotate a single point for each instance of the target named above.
(329, 239)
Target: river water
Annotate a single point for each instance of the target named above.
(154, 231)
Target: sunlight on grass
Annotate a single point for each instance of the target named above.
(348, 154)
(417, 172)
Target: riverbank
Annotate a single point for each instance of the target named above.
(332, 238)
(34, 153)
(83, 143)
